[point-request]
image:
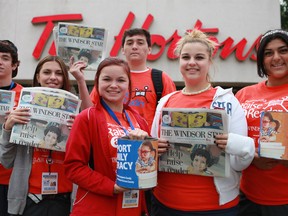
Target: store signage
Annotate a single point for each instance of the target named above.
(226, 48)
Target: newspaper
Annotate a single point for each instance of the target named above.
(190, 133)
(273, 142)
(50, 109)
(84, 43)
(6, 104)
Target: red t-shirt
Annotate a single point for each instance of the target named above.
(198, 193)
(5, 173)
(40, 165)
(265, 187)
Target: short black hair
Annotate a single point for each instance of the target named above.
(54, 129)
(7, 46)
(137, 31)
(86, 53)
(202, 153)
(266, 38)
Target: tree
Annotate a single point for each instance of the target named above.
(284, 14)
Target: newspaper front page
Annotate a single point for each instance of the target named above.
(190, 133)
(85, 43)
(6, 104)
(50, 109)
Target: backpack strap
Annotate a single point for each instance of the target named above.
(157, 82)
(91, 159)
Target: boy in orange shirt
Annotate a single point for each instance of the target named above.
(8, 69)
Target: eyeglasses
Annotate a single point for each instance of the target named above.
(144, 152)
(266, 121)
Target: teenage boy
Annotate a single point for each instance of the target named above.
(8, 69)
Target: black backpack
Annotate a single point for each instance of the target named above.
(157, 82)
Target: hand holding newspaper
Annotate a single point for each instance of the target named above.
(190, 133)
(83, 43)
(6, 104)
(50, 109)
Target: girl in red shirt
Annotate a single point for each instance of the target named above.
(91, 153)
(265, 182)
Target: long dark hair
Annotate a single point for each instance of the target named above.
(66, 83)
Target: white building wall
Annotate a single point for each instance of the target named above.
(236, 19)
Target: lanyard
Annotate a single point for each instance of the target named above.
(112, 114)
(11, 86)
(49, 161)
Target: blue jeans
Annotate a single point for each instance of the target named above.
(158, 209)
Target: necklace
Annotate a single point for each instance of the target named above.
(194, 93)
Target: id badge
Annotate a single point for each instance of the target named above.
(130, 199)
(49, 183)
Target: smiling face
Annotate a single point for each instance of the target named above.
(276, 62)
(194, 64)
(55, 102)
(113, 85)
(40, 99)
(199, 163)
(50, 75)
(50, 139)
(145, 153)
(265, 123)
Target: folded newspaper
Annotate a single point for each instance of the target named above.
(6, 104)
(85, 43)
(190, 133)
(50, 109)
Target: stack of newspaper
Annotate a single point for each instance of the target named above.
(190, 133)
(50, 109)
(6, 104)
(85, 43)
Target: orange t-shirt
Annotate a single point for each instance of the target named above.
(198, 193)
(40, 165)
(5, 173)
(265, 187)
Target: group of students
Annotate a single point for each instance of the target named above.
(109, 112)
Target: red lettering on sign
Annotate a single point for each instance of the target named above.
(49, 29)
(239, 48)
(226, 46)
(161, 42)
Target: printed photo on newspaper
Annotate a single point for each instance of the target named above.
(6, 104)
(273, 135)
(190, 133)
(50, 109)
(85, 43)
